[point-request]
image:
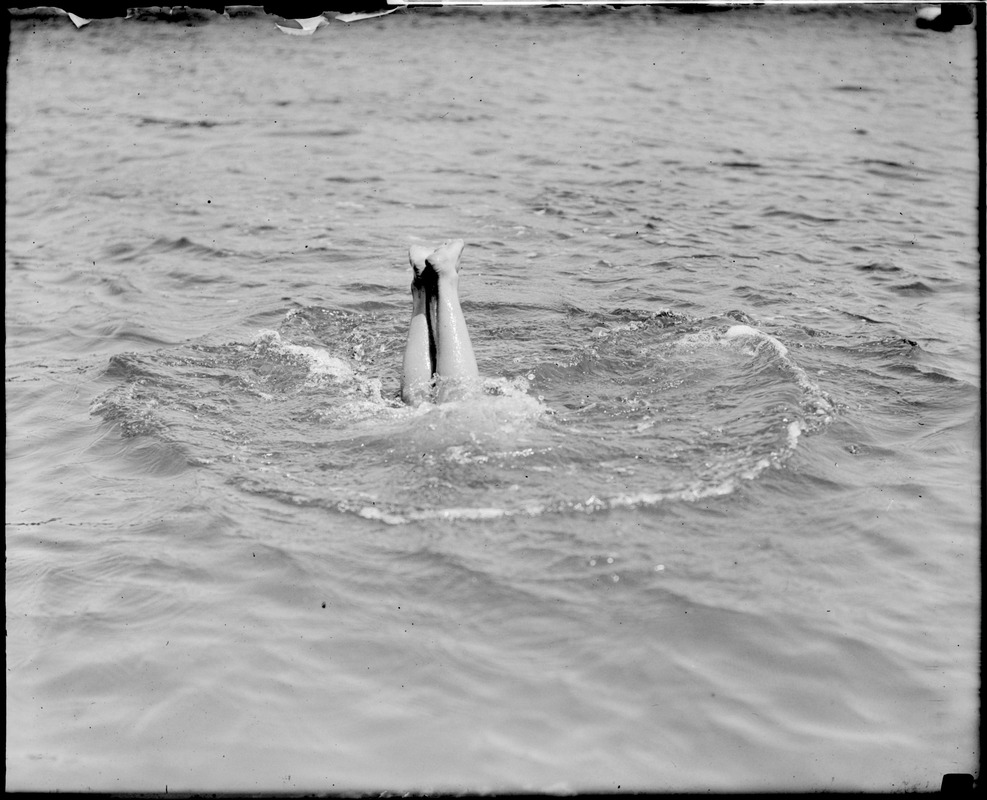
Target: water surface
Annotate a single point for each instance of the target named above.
(714, 522)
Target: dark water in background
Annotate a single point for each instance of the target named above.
(715, 521)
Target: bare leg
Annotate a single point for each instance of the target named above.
(419, 353)
(455, 364)
(438, 342)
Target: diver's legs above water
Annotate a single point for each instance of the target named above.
(438, 341)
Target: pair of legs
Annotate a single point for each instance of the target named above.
(438, 352)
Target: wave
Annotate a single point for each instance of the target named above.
(643, 409)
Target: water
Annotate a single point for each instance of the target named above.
(714, 522)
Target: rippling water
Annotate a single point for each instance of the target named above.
(713, 523)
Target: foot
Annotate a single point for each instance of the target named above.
(417, 257)
(445, 260)
(423, 276)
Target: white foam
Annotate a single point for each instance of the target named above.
(452, 514)
(741, 330)
(737, 331)
(374, 513)
(820, 404)
(321, 364)
(443, 514)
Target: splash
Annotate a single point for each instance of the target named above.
(815, 400)
(321, 365)
(646, 410)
